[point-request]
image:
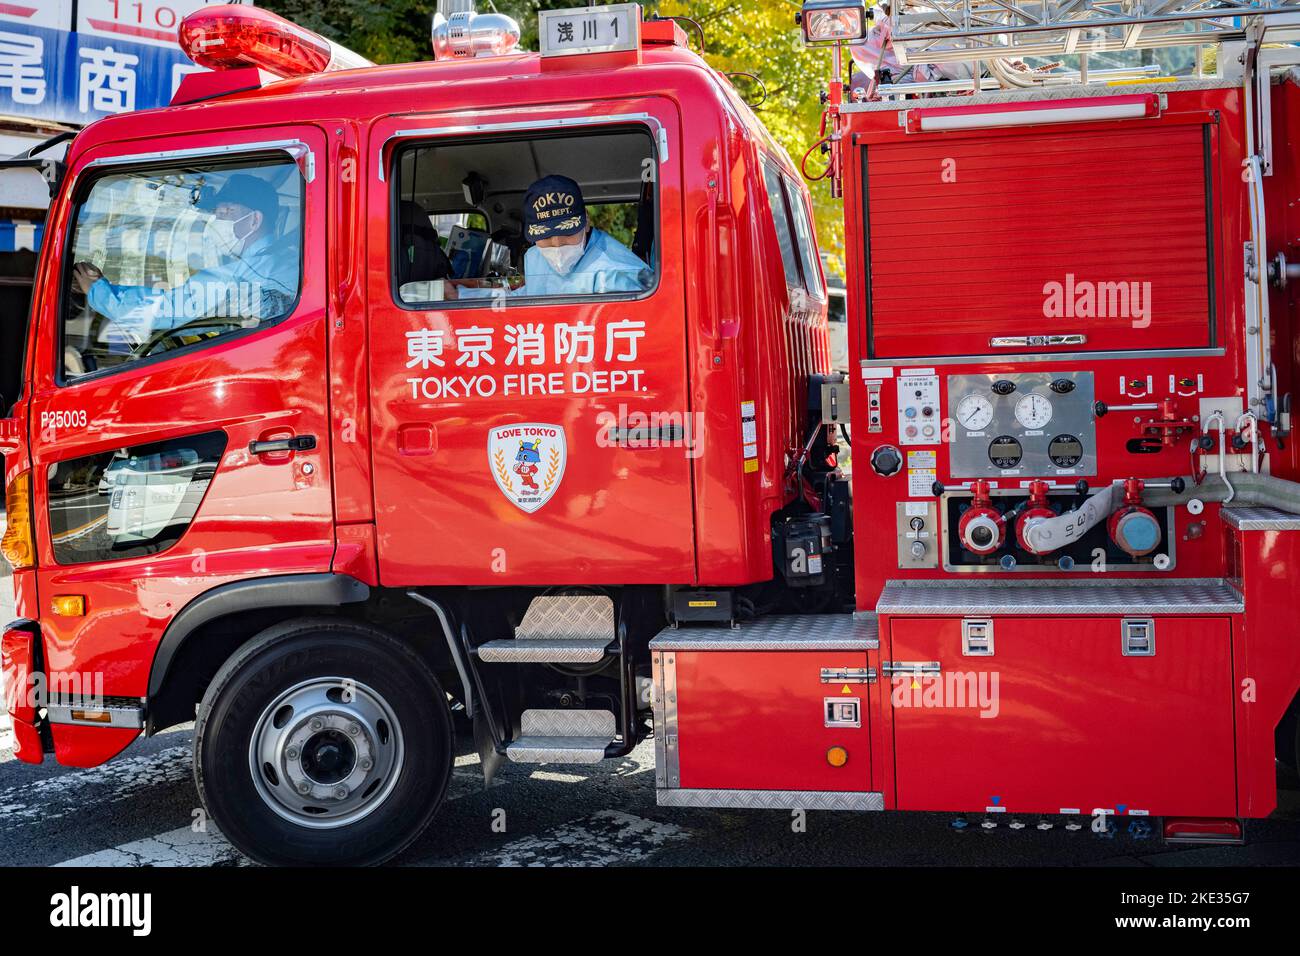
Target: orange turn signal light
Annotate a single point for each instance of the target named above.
(837, 756)
(69, 605)
(19, 545)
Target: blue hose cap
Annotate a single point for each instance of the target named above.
(1139, 532)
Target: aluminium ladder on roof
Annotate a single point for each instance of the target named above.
(933, 31)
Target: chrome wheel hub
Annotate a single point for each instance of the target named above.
(326, 752)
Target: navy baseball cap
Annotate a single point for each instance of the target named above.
(553, 206)
(246, 190)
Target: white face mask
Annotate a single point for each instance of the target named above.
(226, 232)
(563, 259)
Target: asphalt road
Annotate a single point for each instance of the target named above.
(142, 809)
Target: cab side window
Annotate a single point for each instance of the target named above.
(532, 219)
(784, 230)
(803, 230)
(171, 257)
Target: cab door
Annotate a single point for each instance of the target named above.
(180, 434)
(508, 449)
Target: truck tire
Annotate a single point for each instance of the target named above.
(323, 742)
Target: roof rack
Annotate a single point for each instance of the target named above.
(934, 31)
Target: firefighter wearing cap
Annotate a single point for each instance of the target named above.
(569, 256)
(257, 279)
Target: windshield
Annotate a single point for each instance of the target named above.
(172, 257)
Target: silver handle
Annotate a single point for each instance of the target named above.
(889, 668)
(848, 675)
(1036, 341)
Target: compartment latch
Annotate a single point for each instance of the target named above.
(977, 637)
(1139, 635)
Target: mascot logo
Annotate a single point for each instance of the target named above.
(527, 462)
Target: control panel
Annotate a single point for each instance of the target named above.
(919, 544)
(1022, 425)
(919, 421)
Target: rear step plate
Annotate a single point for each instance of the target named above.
(543, 651)
(563, 736)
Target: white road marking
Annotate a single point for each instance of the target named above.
(179, 847)
(554, 777)
(6, 737)
(185, 847)
(54, 797)
(607, 838)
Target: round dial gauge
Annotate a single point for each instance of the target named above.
(1034, 411)
(974, 412)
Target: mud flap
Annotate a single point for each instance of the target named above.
(488, 757)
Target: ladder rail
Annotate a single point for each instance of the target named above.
(950, 30)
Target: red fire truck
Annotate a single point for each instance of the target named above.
(307, 453)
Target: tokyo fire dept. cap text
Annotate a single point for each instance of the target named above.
(553, 206)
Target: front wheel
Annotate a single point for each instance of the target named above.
(323, 742)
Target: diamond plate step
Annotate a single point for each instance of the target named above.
(549, 651)
(568, 617)
(563, 736)
(557, 750)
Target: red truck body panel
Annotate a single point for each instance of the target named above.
(367, 501)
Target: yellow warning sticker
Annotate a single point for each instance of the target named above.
(751, 465)
(845, 690)
(701, 603)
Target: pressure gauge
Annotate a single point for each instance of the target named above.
(1065, 451)
(1034, 411)
(1005, 452)
(974, 412)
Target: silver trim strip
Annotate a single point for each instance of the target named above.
(778, 632)
(130, 717)
(562, 122)
(287, 145)
(771, 799)
(672, 752)
(995, 358)
(661, 730)
(1048, 598)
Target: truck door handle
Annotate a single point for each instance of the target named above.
(296, 443)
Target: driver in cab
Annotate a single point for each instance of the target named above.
(256, 280)
(568, 255)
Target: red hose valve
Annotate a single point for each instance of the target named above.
(1036, 510)
(982, 528)
(1133, 527)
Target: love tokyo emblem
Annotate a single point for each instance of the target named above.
(527, 462)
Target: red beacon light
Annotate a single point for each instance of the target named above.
(232, 37)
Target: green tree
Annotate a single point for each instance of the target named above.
(741, 36)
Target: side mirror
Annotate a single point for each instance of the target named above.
(10, 432)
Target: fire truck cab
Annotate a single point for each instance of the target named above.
(310, 450)
(315, 446)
